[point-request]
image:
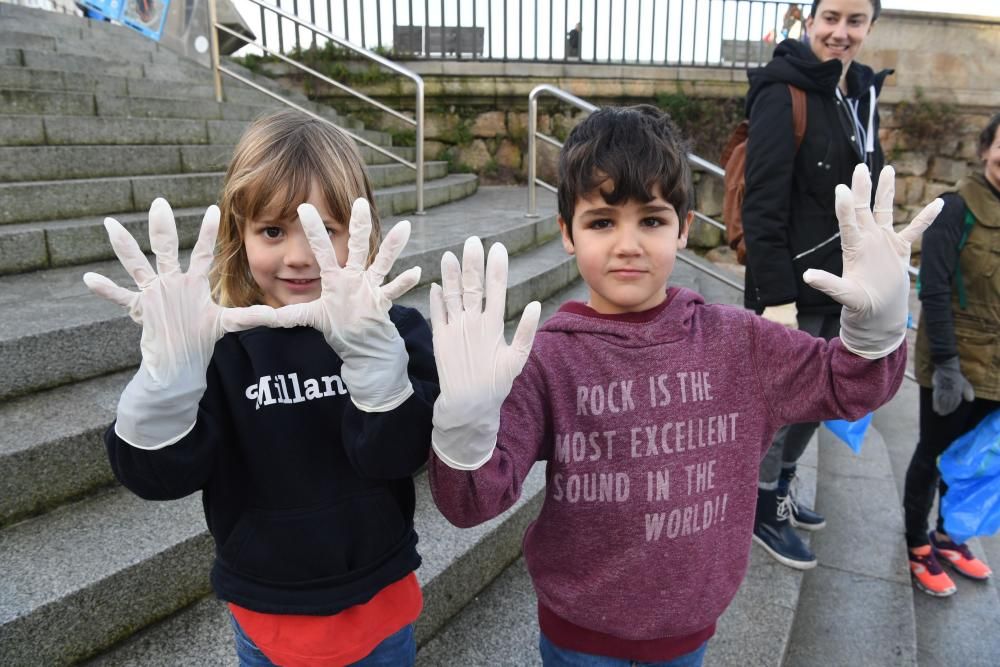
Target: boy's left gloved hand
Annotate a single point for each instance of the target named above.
(874, 289)
(353, 308)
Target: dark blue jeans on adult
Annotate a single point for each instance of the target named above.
(397, 650)
(554, 656)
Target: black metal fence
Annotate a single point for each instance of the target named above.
(708, 33)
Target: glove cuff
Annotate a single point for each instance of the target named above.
(152, 416)
(867, 346)
(377, 384)
(468, 460)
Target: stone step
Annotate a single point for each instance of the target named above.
(55, 434)
(111, 563)
(62, 334)
(71, 28)
(856, 607)
(944, 632)
(14, 101)
(51, 163)
(107, 45)
(55, 80)
(200, 88)
(54, 130)
(58, 199)
(457, 564)
(106, 578)
(54, 243)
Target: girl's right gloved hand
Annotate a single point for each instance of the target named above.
(352, 311)
(476, 367)
(180, 326)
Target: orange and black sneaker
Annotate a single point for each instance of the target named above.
(959, 557)
(927, 573)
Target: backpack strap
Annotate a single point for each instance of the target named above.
(798, 114)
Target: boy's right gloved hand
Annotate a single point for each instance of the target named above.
(875, 285)
(180, 326)
(950, 387)
(476, 367)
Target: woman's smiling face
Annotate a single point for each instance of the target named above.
(838, 28)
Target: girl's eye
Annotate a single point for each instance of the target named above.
(272, 232)
(330, 231)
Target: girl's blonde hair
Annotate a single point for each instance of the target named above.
(274, 166)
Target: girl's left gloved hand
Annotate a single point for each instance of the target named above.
(353, 308)
(875, 287)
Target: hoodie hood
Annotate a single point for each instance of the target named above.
(670, 321)
(794, 63)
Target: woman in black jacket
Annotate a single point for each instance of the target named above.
(789, 222)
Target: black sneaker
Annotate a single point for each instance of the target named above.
(773, 531)
(799, 515)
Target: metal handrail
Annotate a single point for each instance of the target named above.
(417, 121)
(533, 180)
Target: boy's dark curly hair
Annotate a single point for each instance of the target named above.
(636, 148)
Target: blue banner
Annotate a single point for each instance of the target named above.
(109, 9)
(146, 16)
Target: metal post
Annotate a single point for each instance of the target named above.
(216, 75)
(532, 148)
(419, 113)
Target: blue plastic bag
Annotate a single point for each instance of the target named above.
(971, 469)
(853, 433)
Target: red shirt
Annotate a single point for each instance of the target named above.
(327, 641)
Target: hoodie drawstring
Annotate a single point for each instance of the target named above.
(864, 135)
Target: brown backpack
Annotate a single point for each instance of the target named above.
(734, 161)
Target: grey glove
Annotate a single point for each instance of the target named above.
(950, 387)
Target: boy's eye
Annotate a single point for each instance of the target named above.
(600, 224)
(653, 222)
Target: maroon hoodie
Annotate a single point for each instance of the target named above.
(652, 426)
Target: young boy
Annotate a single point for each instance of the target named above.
(650, 408)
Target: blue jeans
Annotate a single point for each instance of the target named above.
(553, 656)
(398, 650)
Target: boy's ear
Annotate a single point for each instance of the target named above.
(682, 241)
(566, 240)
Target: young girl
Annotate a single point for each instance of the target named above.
(302, 439)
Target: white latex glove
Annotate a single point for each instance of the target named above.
(786, 315)
(875, 287)
(352, 311)
(476, 367)
(180, 326)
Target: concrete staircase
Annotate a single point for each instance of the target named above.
(91, 573)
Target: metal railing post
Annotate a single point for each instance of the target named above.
(419, 113)
(214, 36)
(532, 148)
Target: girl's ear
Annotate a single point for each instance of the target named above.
(566, 240)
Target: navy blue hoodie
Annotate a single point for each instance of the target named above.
(310, 500)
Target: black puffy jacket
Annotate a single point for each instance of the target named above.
(788, 213)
